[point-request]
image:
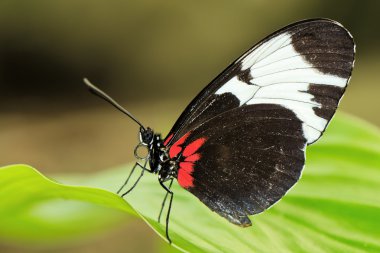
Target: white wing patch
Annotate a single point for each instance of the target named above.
(239, 88)
(262, 51)
(279, 74)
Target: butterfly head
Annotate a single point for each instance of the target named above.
(146, 135)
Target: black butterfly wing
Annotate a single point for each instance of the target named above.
(242, 161)
(308, 62)
(240, 144)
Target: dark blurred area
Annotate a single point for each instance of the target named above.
(144, 50)
(153, 57)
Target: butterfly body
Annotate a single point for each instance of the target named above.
(158, 155)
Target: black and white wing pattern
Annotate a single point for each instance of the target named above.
(240, 144)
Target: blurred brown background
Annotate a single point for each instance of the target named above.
(153, 57)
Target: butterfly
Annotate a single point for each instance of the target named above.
(239, 146)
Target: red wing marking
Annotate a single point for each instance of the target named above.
(190, 156)
(184, 179)
(193, 158)
(186, 168)
(193, 147)
(176, 148)
(168, 139)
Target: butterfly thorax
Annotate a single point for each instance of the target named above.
(158, 155)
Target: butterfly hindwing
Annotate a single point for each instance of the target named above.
(240, 144)
(246, 161)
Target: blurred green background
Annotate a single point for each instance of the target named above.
(153, 57)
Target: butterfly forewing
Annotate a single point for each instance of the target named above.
(240, 144)
(304, 67)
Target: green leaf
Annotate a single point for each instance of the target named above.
(32, 207)
(335, 207)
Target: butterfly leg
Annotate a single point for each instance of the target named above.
(129, 176)
(164, 201)
(169, 192)
(143, 167)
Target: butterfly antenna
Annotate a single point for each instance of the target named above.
(96, 91)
